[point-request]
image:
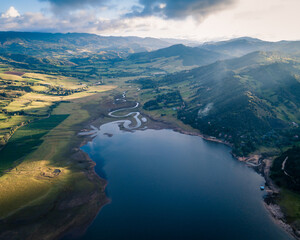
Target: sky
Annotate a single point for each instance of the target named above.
(200, 20)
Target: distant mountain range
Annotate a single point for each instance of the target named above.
(241, 46)
(80, 45)
(188, 55)
(59, 44)
(211, 52)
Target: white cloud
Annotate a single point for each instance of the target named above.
(10, 13)
(80, 21)
(268, 20)
(162, 5)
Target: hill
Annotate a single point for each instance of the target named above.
(59, 44)
(190, 56)
(251, 101)
(242, 46)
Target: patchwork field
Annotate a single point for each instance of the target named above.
(41, 164)
(27, 96)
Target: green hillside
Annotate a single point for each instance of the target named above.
(72, 44)
(251, 101)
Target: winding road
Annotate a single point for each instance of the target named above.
(283, 167)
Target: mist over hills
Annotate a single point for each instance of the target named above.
(241, 46)
(79, 45)
(241, 100)
(189, 55)
(57, 44)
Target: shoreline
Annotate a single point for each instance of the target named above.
(257, 162)
(98, 196)
(76, 194)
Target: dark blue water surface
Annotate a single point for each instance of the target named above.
(166, 185)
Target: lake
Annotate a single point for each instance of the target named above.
(167, 185)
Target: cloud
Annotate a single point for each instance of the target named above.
(81, 21)
(167, 9)
(160, 19)
(59, 6)
(10, 13)
(179, 9)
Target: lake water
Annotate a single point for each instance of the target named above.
(166, 185)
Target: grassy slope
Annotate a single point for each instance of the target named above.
(33, 185)
(241, 100)
(27, 139)
(290, 195)
(290, 203)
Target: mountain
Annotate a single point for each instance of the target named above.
(190, 56)
(186, 42)
(236, 47)
(251, 101)
(59, 44)
(241, 46)
(180, 57)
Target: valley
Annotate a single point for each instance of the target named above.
(246, 97)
